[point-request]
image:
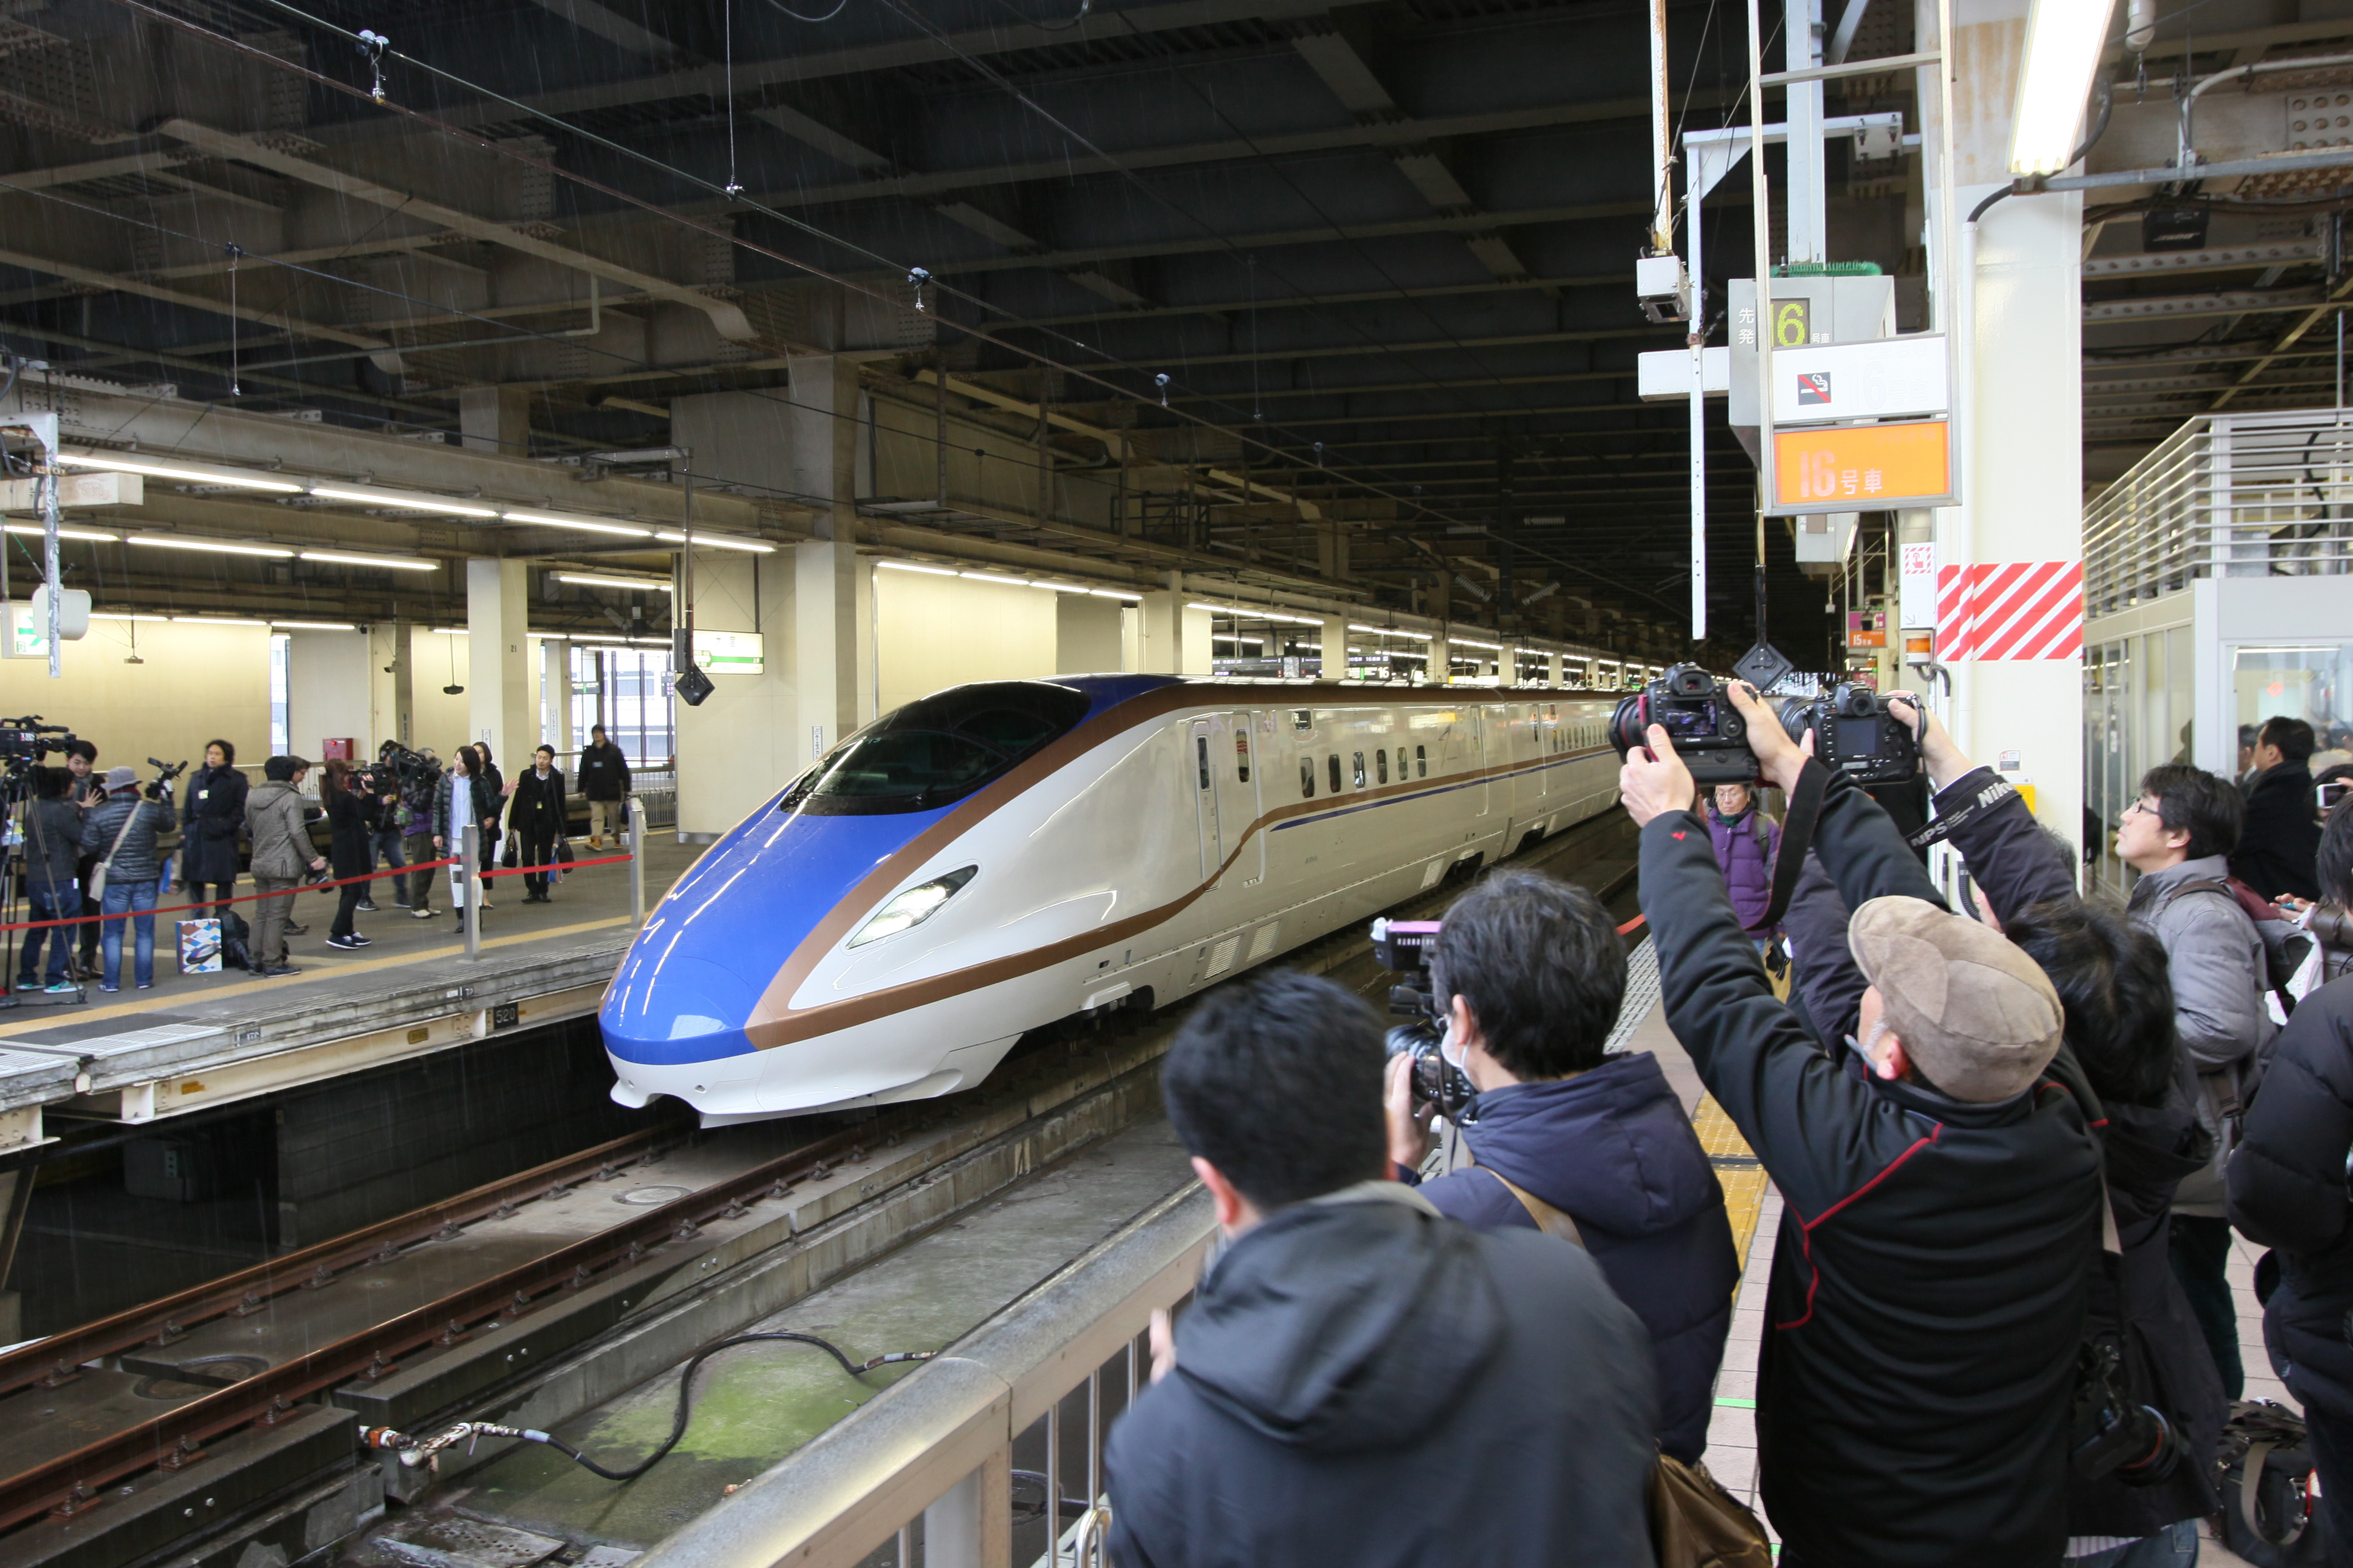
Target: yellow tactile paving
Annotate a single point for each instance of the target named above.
(1736, 1170)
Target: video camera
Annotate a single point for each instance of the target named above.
(160, 784)
(401, 764)
(1690, 705)
(1855, 735)
(24, 741)
(1405, 947)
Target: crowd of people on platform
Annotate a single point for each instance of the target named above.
(97, 848)
(2014, 1143)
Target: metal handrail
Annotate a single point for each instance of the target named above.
(2228, 495)
(835, 1501)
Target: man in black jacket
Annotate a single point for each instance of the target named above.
(2288, 1190)
(535, 816)
(1359, 1380)
(1942, 1192)
(605, 782)
(2282, 828)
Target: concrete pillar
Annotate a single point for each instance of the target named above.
(824, 432)
(1439, 657)
(498, 670)
(403, 683)
(1162, 615)
(555, 698)
(833, 642)
(327, 692)
(1335, 648)
(1087, 634)
(739, 747)
(1552, 669)
(2021, 462)
(495, 419)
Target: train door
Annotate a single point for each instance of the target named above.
(1202, 764)
(1239, 785)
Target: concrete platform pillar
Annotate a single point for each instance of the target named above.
(495, 419)
(1335, 648)
(1087, 638)
(555, 700)
(1552, 669)
(1440, 654)
(498, 675)
(1162, 615)
(833, 642)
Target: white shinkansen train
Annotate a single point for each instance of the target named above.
(998, 856)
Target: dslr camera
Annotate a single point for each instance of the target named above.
(1404, 947)
(2114, 1435)
(1690, 705)
(1855, 735)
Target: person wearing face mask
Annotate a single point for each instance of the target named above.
(1941, 1191)
(1534, 971)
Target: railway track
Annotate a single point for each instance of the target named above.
(416, 1362)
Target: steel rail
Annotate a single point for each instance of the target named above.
(165, 1319)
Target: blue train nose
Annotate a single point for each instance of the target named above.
(708, 954)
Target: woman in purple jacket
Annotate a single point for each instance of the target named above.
(1744, 848)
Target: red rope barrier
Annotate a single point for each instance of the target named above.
(1630, 925)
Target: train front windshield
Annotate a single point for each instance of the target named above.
(936, 750)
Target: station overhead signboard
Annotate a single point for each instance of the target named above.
(730, 652)
(1862, 468)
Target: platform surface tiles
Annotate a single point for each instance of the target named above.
(194, 1041)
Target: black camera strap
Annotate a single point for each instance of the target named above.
(1797, 836)
(1948, 823)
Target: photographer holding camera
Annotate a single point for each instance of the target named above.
(1360, 1380)
(120, 833)
(1529, 973)
(1942, 1194)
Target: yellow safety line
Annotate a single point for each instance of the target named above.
(54, 1017)
(1744, 1184)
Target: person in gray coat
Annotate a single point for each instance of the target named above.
(274, 815)
(1361, 1380)
(2179, 834)
(52, 847)
(121, 833)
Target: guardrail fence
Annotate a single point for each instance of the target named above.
(990, 1456)
(2236, 495)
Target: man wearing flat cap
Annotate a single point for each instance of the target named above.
(1941, 1192)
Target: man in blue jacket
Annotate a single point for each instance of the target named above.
(1532, 971)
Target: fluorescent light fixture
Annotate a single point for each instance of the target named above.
(1253, 613)
(1390, 632)
(314, 627)
(2063, 42)
(649, 584)
(398, 562)
(717, 541)
(35, 529)
(550, 520)
(178, 471)
(993, 577)
(214, 621)
(1114, 593)
(1062, 587)
(912, 566)
(218, 546)
(448, 631)
(403, 500)
(121, 615)
(1466, 642)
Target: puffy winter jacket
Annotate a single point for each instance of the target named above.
(212, 819)
(2287, 1190)
(1929, 1282)
(2215, 959)
(136, 861)
(274, 814)
(2281, 840)
(1362, 1382)
(1613, 1150)
(1743, 850)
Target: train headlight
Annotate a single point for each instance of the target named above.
(912, 908)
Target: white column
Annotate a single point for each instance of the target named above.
(555, 698)
(1335, 648)
(1552, 669)
(1163, 613)
(833, 644)
(1439, 655)
(498, 670)
(1086, 634)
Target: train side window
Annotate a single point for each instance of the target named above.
(1358, 771)
(1302, 718)
(1241, 756)
(1335, 772)
(1422, 762)
(1307, 778)
(1403, 774)
(1381, 766)
(1201, 758)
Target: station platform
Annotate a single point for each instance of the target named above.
(197, 1041)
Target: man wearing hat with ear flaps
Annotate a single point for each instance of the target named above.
(1941, 1192)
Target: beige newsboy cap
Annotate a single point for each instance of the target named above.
(1977, 1016)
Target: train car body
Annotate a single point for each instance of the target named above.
(999, 856)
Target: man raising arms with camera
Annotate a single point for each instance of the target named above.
(1941, 1192)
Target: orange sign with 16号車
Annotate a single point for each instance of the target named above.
(1861, 467)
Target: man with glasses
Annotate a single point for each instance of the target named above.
(2178, 835)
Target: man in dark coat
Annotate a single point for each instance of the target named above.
(2287, 1191)
(2283, 826)
(1531, 972)
(1360, 1380)
(604, 783)
(535, 816)
(212, 819)
(1928, 1289)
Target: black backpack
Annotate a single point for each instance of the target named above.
(2264, 1473)
(235, 936)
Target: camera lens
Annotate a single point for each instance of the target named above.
(1626, 725)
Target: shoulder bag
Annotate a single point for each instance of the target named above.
(97, 872)
(1694, 1522)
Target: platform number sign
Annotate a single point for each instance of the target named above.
(1793, 323)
